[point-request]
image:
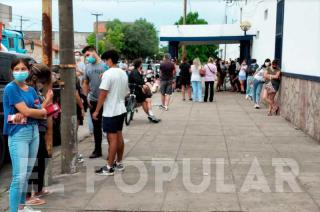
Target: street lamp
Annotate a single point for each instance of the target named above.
(245, 26)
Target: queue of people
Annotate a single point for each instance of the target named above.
(103, 87)
(198, 81)
(257, 82)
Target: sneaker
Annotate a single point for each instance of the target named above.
(105, 171)
(247, 97)
(28, 209)
(166, 108)
(118, 167)
(80, 158)
(161, 107)
(256, 106)
(153, 119)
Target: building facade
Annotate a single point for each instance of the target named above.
(5, 14)
(289, 30)
(80, 41)
(34, 49)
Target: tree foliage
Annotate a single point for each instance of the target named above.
(114, 37)
(141, 40)
(138, 39)
(192, 19)
(91, 40)
(201, 51)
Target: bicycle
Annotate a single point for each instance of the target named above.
(131, 105)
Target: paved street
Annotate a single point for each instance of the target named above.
(236, 139)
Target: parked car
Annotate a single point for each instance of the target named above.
(5, 77)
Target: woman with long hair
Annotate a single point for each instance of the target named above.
(39, 79)
(210, 77)
(22, 110)
(272, 76)
(185, 78)
(258, 83)
(196, 81)
(243, 75)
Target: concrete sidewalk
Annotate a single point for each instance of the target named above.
(232, 150)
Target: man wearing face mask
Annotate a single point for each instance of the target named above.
(91, 82)
(81, 66)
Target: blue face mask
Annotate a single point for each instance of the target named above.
(20, 76)
(106, 67)
(91, 59)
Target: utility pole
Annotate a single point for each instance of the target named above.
(97, 28)
(184, 51)
(69, 148)
(47, 60)
(21, 21)
(226, 22)
(47, 32)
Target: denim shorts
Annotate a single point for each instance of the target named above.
(113, 124)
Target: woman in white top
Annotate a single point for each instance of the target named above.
(243, 75)
(258, 83)
(196, 81)
(211, 70)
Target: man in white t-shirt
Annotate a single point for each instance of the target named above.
(113, 90)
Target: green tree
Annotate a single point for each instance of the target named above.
(140, 40)
(201, 51)
(191, 19)
(91, 40)
(135, 40)
(114, 38)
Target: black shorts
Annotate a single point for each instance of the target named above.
(141, 97)
(113, 124)
(185, 81)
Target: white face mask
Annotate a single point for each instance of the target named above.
(267, 64)
(78, 58)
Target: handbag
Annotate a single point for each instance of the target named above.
(202, 72)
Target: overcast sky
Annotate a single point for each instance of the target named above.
(159, 12)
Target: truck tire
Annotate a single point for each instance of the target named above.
(2, 150)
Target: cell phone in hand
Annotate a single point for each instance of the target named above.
(11, 120)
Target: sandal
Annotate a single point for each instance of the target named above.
(269, 113)
(275, 110)
(33, 201)
(42, 193)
